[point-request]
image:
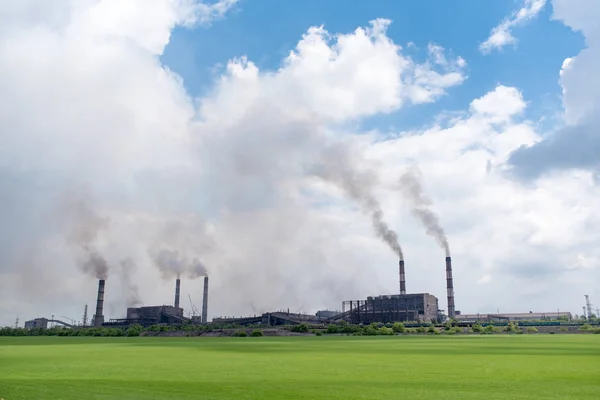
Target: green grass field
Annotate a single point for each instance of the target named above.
(468, 367)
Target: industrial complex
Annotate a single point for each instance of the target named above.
(401, 307)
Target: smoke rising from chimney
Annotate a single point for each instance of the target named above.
(197, 269)
(341, 168)
(172, 264)
(410, 186)
(95, 264)
(132, 296)
(85, 227)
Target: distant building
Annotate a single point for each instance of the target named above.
(391, 308)
(37, 323)
(327, 313)
(155, 315)
(530, 316)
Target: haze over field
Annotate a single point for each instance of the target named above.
(275, 146)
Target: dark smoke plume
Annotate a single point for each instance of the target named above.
(84, 230)
(339, 167)
(132, 295)
(410, 185)
(197, 269)
(95, 264)
(172, 264)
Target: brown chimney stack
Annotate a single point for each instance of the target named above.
(177, 286)
(450, 287)
(99, 318)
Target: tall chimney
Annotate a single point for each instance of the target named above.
(450, 287)
(99, 318)
(177, 285)
(402, 277)
(205, 301)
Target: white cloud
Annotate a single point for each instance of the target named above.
(233, 181)
(576, 144)
(503, 103)
(501, 35)
(581, 96)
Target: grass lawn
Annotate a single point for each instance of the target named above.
(468, 367)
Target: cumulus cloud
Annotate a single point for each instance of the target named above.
(502, 35)
(575, 145)
(237, 182)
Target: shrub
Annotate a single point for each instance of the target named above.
(511, 327)
(301, 328)
(564, 329)
(477, 328)
(532, 329)
(520, 332)
(385, 331)
(490, 329)
(398, 327)
(432, 330)
(457, 329)
(420, 329)
(597, 331)
(318, 333)
(332, 328)
(370, 331)
(585, 327)
(240, 334)
(256, 333)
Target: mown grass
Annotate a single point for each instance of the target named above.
(474, 367)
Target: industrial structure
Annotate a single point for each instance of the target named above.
(391, 308)
(450, 288)
(177, 290)
(530, 316)
(402, 276)
(41, 323)
(99, 317)
(163, 314)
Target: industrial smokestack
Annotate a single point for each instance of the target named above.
(205, 301)
(450, 287)
(99, 318)
(402, 277)
(177, 286)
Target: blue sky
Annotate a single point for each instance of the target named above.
(266, 30)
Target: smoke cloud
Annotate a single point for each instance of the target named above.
(342, 168)
(95, 264)
(85, 227)
(412, 189)
(132, 296)
(172, 264)
(197, 269)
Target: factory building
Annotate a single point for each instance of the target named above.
(325, 314)
(155, 315)
(37, 323)
(530, 316)
(391, 308)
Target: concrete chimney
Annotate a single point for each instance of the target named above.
(205, 301)
(450, 288)
(99, 318)
(177, 286)
(402, 277)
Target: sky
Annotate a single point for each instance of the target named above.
(266, 144)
